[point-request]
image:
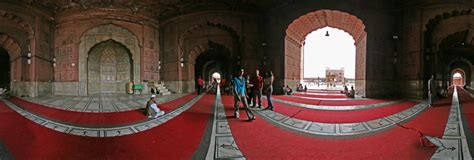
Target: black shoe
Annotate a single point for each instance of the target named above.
(253, 118)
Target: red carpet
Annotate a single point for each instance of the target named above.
(263, 140)
(341, 116)
(175, 139)
(319, 96)
(329, 102)
(87, 118)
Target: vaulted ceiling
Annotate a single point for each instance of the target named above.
(460, 42)
(160, 9)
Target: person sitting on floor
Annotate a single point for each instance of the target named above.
(288, 90)
(351, 94)
(299, 88)
(346, 91)
(4, 93)
(152, 109)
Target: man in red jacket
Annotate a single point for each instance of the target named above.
(257, 88)
(200, 83)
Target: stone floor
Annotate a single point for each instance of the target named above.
(222, 143)
(99, 103)
(100, 131)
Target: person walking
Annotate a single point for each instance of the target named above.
(240, 95)
(200, 83)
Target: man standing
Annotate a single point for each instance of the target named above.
(257, 89)
(431, 90)
(200, 83)
(240, 95)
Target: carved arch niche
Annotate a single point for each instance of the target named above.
(102, 33)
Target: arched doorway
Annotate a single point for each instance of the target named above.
(329, 57)
(305, 24)
(12, 64)
(97, 35)
(109, 68)
(215, 59)
(4, 69)
(460, 65)
(458, 79)
(216, 76)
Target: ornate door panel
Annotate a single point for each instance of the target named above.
(109, 68)
(123, 69)
(108, 71)
(93, 72)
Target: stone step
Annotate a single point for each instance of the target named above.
(165, 93)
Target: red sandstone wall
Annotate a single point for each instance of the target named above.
(68, 34)
(418, 60)
(31, 31)
(380, 25)
(188, 35)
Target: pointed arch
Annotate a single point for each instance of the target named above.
(305, 24)
(102, 33)
(14, 50)
(13, 18)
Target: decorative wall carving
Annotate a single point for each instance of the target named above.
(66, 57)
(109, 68)
(109, 32)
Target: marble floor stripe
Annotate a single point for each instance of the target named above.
(331, 99)
(337, 108)
(340, 129)
(222, 145)
(453, 144)
(99, 103)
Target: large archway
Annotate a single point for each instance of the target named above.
(214, 59)
(11, 63)
(302, 26)
(458, 65)
(457, 77)
(448, 43)
(4, 69)
(109, 68)
(329, 52)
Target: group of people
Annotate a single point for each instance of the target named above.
(300, 88)
(351, 93)
(246, 88)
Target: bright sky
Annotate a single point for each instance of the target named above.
(457, 75)
(335, 52)
(216, 75)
